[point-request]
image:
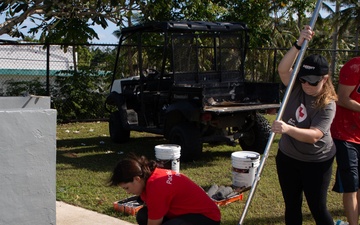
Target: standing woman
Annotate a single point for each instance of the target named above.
(345, 131)
(171, 198)
(306, 150)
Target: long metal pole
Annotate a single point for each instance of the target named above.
(280, 113)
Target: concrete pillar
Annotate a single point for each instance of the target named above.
(27, 161)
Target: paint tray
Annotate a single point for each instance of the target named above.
(233, 198)
(229, 200)
(128, 206)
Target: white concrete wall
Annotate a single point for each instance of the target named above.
(28, 102)
(27, 161)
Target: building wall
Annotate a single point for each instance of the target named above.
(29, 63)
(27, 161)
(34, 57)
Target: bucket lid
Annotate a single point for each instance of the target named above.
(167, 151)
(245, 155)
(168, 147)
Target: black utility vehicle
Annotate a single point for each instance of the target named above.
(186, 80)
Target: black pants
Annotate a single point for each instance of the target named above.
(187, 219)
(312, 179)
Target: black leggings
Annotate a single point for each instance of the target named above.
(187, 219)
(312, 179)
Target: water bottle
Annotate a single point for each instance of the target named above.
(340, 222)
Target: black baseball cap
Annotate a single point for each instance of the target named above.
(313, 68)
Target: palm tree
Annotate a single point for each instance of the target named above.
(349, 21)
(332, 16)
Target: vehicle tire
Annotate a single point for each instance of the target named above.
(257, 137)
(188, 137)
(118, 133)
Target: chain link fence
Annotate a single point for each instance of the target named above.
(78, 78)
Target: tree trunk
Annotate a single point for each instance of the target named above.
(334, 40)
(74, 58)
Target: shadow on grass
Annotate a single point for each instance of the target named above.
(307, 219)
(101, 154)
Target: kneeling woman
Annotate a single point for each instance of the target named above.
(171, 198)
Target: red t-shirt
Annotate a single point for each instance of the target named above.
(171, 194)
(346, 124)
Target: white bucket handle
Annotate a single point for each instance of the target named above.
(252, 158)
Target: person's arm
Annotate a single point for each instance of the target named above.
(155, 222)
(285, 67)
(344, 99)
(308, 135)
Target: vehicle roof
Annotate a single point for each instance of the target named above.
(184, 26)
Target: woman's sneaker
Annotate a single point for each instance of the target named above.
(340, 222)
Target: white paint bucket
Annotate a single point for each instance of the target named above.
(244, 167)
(168, 156)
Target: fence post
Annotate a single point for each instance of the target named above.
(274, 65)
(48, 69)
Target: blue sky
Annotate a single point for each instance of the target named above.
(106, 36)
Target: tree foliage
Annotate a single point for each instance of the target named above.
(349, 20)
(80, 96)
(273, 23)
(61, 20)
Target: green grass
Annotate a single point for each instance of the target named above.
(86, 156)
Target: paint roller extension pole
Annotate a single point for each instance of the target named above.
(280, 113)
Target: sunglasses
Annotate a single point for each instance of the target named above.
(312, 84)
